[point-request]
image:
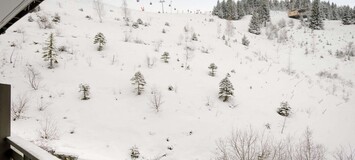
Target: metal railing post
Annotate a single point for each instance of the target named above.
(5, 120)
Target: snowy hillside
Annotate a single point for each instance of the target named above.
(301, 69)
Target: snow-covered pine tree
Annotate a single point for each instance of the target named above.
(240, 10)
(85, 88)
(224, 9)
(316, 22)
(138, 80)
(225, 89)
(165, 57)
(216, 9)
(100, 39)
(213, 68)
(245, 41)
(49, 52)
(254, 26)
(346, 20)
(231, 13)
(264, 12)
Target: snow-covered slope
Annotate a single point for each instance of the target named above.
(192, 118)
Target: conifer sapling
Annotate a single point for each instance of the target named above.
(49, 52)
(165, 57)
(138, 80)
(86, 91)
(225, 89)
(213, 68)
(100, 39)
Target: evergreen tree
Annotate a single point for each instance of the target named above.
(216, 9)
(231, 13)
(240, 10)
(254, 26)
(225, 89)
(245, 41)
(264, 13)
(347, 18)
(49, 52)
(100, 39)
(213, 68)
(86, 91)
(165, 57)
(223, 9)
(316, 22)
(138, 80)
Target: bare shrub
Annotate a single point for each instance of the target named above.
(156, 100)
(308, 150)
(251, 145)
(127, 36)
(150, 61)
(34, 77)
(48, 130)
(99, 8)
(19, 106)
(157, 45)
(125, 11)
(43, 22)
(344, 154)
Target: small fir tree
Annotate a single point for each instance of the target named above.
(225, 89)
(316, 22)
(86, 91)
(245, 41)
(49, 52)
(100, 39)
(165, 57)
(213, 69)
(254, 26)
(138, 80)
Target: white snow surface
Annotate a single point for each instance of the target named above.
(116, 118)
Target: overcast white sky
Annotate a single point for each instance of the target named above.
(204, 5)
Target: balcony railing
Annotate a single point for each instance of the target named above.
(12, 147)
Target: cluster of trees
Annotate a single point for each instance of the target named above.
(229, 9)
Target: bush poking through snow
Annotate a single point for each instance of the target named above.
(19, 106)
(33, 77)
(251, 145)
(44, 23)
(30, 19)
(85, 88)
(245, 41)
(48, 130)
(135, 25)
(284, 109)
(156, 100)
(56, 18)
(134, 153)
(49, 52)
(225, 89)
(213, 69)
(139, 21)
(100, 39)
(138, 80)
(165, 57)
(194, 37)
